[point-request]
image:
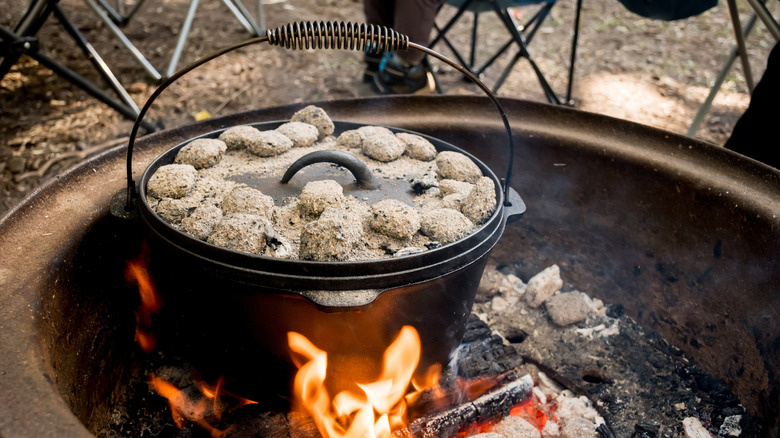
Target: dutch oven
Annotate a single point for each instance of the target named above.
(229, 312)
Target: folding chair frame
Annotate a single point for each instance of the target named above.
(114, 17)
(22, 41)
(521, 35)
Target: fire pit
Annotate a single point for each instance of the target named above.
(682, 234)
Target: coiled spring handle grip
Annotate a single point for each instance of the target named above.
(305, 35)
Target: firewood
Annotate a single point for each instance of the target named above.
(492, 405)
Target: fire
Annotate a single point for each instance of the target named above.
(198, 410)
(379, 408)
(151, 303)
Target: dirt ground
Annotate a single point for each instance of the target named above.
(648, 71)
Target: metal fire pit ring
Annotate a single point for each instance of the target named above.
(707, 215)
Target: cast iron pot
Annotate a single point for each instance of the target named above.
(229, 312)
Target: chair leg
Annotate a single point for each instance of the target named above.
(134, 52)
(473, 54)
(705, 107)
(743, 56)
(574, 40)
(95, 58)
(522, 53)
(183, 34)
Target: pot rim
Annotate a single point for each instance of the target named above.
(324, 271)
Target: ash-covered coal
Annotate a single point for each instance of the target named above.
(200, 196)
(642, 385)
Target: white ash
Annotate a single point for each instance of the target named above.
(451, 186)
(382, 147)
(481, 202)
(567, 308)
(301, 134)
(487, 435)
(417, 147)
(395, 219)
(202, 221)
(457, 166)
(694, 429)
(515, 427)
(248, 200)
(172, 181)
(269, 144)
(578, 428)
(570, 407)
(332, 237)
(277, 246)
(543, 285)
(409, 250)
(445, 225)
(241, 232)
(239, 137)
(730, 426)
(315, 116)
(172, 210)
(422, 184)
(551, 429)
(318, 195)
(201, 153)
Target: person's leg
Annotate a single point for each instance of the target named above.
(414, 18)
(755, 133)
(380, 13)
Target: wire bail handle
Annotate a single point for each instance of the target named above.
(306, 35)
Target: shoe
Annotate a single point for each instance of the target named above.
(395, 78)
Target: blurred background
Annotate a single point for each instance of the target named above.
(648, 71)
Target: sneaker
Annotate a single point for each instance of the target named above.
(394, 78)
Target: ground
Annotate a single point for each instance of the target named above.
(652, 72)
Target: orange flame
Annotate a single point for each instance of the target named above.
(379, 409)
(185, 409)
(151, 303)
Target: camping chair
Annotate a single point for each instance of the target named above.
(114, 17)
(520, 36)
(740, 34)
(22, 40)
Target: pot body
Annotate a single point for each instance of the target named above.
(229, 313)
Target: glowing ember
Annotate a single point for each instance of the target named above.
(151, 303)
(200, 409)
(382, 405)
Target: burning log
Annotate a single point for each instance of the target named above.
(487, 407)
